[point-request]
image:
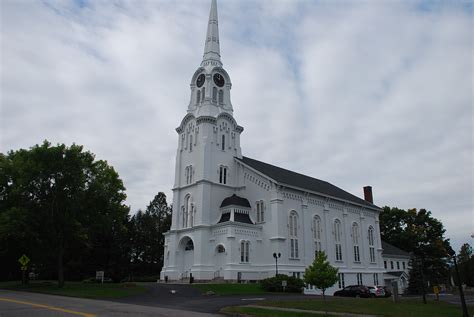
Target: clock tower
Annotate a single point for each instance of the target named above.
(205, 174)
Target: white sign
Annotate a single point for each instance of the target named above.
(99, 275)
(284, 283)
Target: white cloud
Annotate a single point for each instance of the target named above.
(355, 93)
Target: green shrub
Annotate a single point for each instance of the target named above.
(273, 284)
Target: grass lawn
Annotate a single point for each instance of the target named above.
(231, 289)
(385, 307)
(78, 289)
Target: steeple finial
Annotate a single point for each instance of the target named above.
(212, 53)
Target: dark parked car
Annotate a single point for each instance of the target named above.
(353, 291)
(388, 292)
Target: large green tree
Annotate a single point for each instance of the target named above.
(465, 260)
(147, 236)
(417, 232)
(56, 202)
(320, 273)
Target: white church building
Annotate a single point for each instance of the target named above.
(231, 213)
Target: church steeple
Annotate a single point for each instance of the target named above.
(210, 84)
(212, 54)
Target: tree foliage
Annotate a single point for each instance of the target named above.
(466, 265)
(147, 240)
(417, 232)
(60, 205)
(320, 273)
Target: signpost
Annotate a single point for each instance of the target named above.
(436, 291)
(24, 260)
(284, 284)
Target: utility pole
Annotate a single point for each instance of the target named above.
(465, 313)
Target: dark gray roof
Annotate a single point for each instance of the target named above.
(396, 273)
(235, 200)
(389, 249)
(290, 178)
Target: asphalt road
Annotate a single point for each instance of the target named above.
(186, 297)
(23, 304)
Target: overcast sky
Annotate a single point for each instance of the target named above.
(352, 92)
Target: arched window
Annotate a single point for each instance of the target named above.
(317, 233)
(190, 143)
(371, 244)
(293, 234)
(355, 241)
(223, 174)
(223, 142)
(220, 248)
(198, 96)
(203, 95)
(188, 216)
(214, 94)
(337, 239)
(189, 245)
(221, 96)
(260, 212)
(244, 251)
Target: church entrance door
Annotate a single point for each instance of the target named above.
(187, 257)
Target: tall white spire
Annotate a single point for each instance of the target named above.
(212, 53)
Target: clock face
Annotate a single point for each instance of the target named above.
(219, 80)
(200, 80)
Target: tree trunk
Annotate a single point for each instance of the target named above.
(60, 267)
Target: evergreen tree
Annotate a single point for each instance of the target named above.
(320, 273)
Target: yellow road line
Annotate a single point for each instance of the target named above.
(47, 307)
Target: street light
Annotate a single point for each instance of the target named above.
(276, 256)
(461, 292)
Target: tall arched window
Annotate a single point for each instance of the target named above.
(260, 211)
(223, 143)
(337, 239)
(190, 143)
(221, 96)
(188, 209)
(203, 93)
(214, 94)
(293, 234)
(244, 251)
(198, 96)
(371, 244)
(317, 233)
(223, 174)
(355, 241)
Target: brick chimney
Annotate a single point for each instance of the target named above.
(368, 194)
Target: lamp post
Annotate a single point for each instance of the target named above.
(461, 292)
(276, 256)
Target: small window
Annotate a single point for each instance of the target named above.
(214, 94)
(260, 211)
(385, 264)
(376, 279)
(223, 143)
(190, 143)
(220, 248)
(221, 96)
(403, 264)
(223, 174)
(203, 93)
(359, 279)
(398, 265)
(391, 264)
(198, 96)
